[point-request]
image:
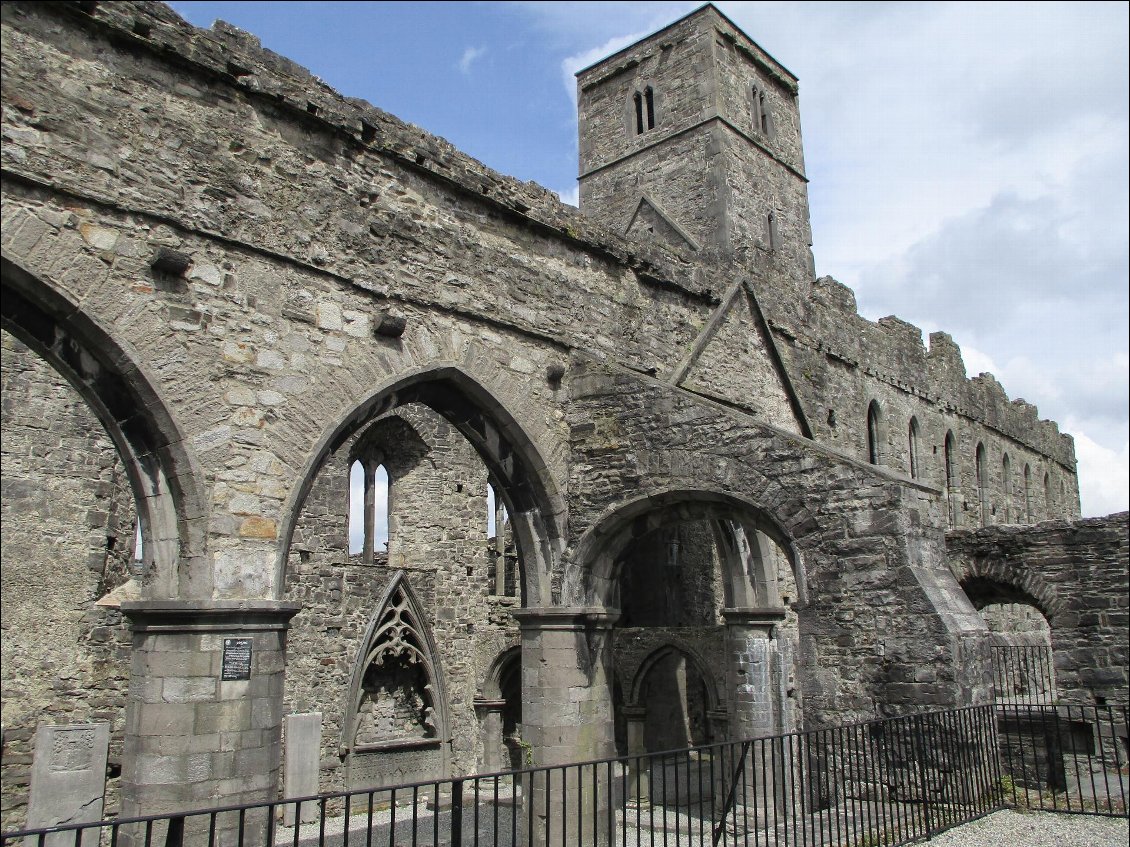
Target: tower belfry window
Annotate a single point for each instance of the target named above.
(760, 112)
(643, 103)
(649, 102)
(637, 98)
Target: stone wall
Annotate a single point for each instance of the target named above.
(438, 538)
(68, 534)
(1077, 574)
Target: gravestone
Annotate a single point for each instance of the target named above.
(303, 753)
(68, 778)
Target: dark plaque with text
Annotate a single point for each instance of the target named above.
(237, 659)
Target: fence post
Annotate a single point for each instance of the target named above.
(456, 812)
(923, 782)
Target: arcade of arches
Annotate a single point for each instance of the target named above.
(612, 496)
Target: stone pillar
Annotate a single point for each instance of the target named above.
(204, 715)
(490, 717)
(754, 712)
(638, 786)
(567, 717)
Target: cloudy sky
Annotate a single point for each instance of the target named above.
(968, 162)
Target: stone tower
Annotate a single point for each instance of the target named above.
(692, 137)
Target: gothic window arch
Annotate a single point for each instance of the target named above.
(912, 446)
(1028, 516)
(1047, 496)
(1006, 487)
(874, 433)
(760, 111)
(982, 473)
(397, 696)
(369, 487)
(950, 455)
(644, 111)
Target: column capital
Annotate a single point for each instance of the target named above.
(208, 615)
(566, 617)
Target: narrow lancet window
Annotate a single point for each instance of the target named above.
(380, 509)
(649, 102)
(356, 508)
(951, 480)
(637, 99)
(912, 438)
(1028, 516)
(873, 451)
(1006, 487)
(982, 484)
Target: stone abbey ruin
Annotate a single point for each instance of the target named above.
(725, 505)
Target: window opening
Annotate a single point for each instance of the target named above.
(637, 98)
(356, 508)
(138, 542)
(1027, 494)
(771, 227)
(982, 487)
(649, 101)
(912, 438)
(380, 509)
(1047, 496)
(1006, 489)
(873, 433)
(760, 112)
(951, 480)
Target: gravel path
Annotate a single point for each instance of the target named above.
(1037, 829)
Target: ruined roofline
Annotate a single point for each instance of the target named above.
(701, 10)
(892, 351)
(237, 58)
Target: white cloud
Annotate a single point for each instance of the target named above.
(470, 55)
(579, 61)
(1104, 474)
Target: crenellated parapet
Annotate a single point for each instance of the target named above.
(842, 363)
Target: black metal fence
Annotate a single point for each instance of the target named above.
(1023, 674)
(881, 782)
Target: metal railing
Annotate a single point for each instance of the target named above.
(1064, 758)
(1023, 674)
(889, 781)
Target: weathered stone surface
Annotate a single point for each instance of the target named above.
(272, 281)
(68, 777)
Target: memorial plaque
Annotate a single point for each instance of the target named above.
(237, 659)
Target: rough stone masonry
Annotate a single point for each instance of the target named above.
(478, 477)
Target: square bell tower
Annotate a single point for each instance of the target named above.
(691, 137)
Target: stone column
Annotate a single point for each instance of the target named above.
(754, 712)
(490, 716)
(204, 715)
(638, 786)
(567, 717)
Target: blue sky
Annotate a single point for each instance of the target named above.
(968, 161)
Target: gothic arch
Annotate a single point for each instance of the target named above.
(399, 631)
(526, 486)
(110, 378)
(635, 690)
(741, 529)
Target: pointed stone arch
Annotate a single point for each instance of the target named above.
(115, 385)
(648, 216)
(525, 483)
(396, 716)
